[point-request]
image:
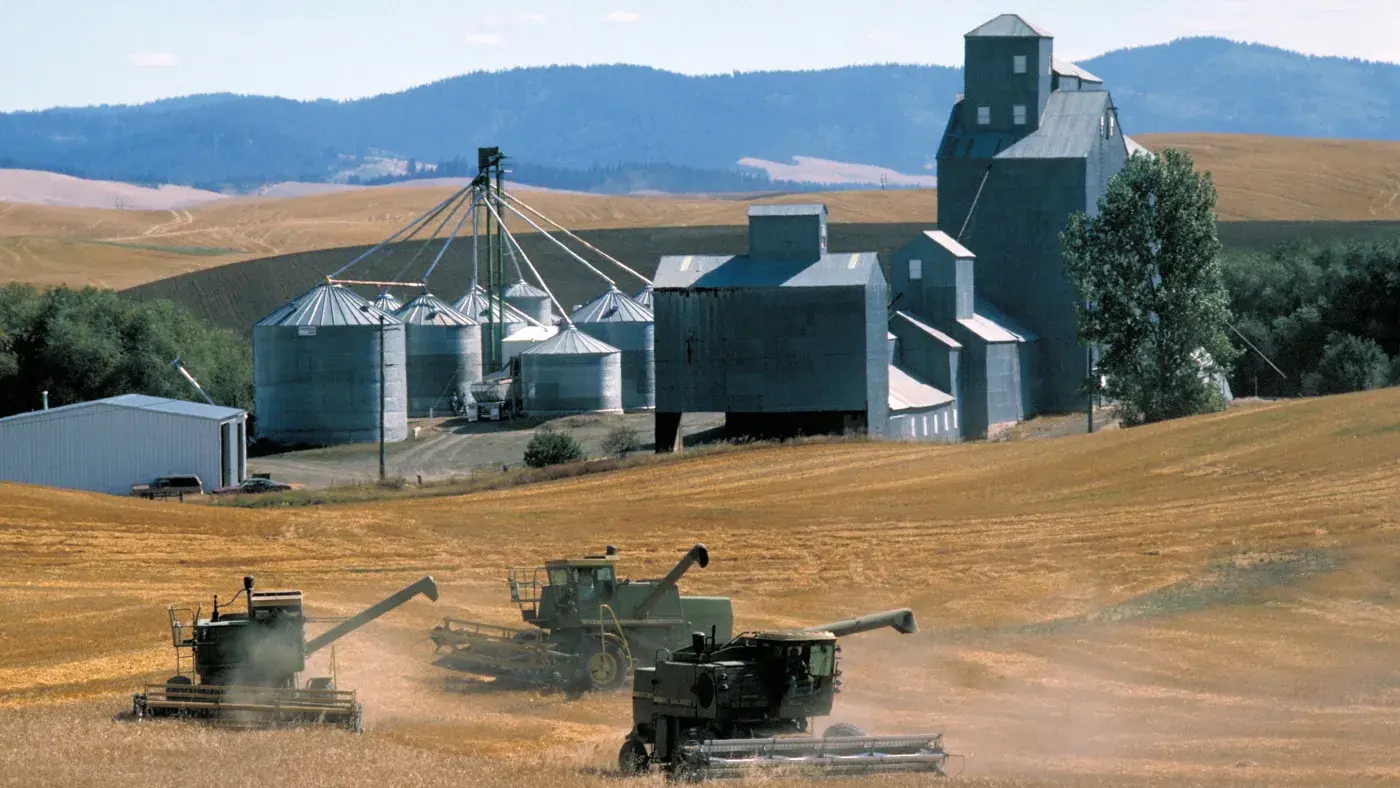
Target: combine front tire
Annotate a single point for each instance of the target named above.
(632, 759)
(604, 665)
(842, 729)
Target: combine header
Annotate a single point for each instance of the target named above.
(725, 709)
(244, 666)
(588, 628)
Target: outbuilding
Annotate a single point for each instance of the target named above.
(108, 445)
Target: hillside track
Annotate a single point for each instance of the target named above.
(1212, 601)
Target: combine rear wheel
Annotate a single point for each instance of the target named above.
(632, 759)
(842, 729)
(604, 665)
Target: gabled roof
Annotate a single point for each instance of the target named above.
(919, 325)
(328, 305)
(1009, 26)
(908, 393)
(178, 407)
(992, 325)
(830, 270)
(429, 310)
(802, 209)
(1068, 69)
(1068, 129)
(948, 242)
(612, 307)
(573, 342)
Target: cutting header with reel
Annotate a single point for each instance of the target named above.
(587, 628)
(725, 708)
(243, 666)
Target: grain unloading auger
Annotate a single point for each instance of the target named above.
(725, 709)
(244, 666)
(588, 628)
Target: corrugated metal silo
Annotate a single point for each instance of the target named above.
(443, 349)
(572, 373)
(316, 367)
(476, 303)
(532, 301)
(387, 302)
(628, 326)
(645, 297)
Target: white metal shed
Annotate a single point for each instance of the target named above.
(108, 445)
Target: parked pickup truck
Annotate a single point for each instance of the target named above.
(255, 486)
(169, 487)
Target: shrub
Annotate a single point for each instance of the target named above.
(548, 447)
(621, 441)
(1349, 363)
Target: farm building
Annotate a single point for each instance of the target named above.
(1031, 141)
(786, 339)
(108, 445)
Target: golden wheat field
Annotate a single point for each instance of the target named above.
(1205, 602)
(1259, 178)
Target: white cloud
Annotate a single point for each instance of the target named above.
(485, 40)
(154, 60)
(534, 18)
(622, 17)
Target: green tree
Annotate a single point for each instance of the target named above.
(1349, 363)
(550, 447)
(1152, 299)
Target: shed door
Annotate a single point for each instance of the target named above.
(225, 451)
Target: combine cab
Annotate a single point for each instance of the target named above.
(588, 628)
(726, 709)
(243, 667)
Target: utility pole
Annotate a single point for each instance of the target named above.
(381, 396)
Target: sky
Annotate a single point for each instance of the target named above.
(82, 52)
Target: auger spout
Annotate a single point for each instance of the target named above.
(425, 586)
(901, 621)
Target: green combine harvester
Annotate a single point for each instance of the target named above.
(732, 707)
(244, 666)
(587, 628)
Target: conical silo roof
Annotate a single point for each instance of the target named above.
(644, 297)
(327, 305)
(572, 342)
(387, 302)
(613, 306)
(429, 310)
(475, 305)
(525, 290)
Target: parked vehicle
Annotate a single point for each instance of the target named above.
(254, 486)
(169, 487)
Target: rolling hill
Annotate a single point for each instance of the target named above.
(885, 115)
(1210, 601)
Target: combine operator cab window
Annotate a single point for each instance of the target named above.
(823, 662)
(592, 582)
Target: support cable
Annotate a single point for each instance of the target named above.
(416, 222)
(471, 210)
(561, 245)
(565, 315)
(423, 247)
(566, 231)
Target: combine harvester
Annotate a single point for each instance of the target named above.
(247, 663)
(587, 628)
(727, 709)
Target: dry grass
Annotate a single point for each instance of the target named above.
(1260, 178)
(1211, 601)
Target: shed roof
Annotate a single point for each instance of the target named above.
(328, 305)
(948, 242)
(1009, 26)
(176, 407)
(613, 306)
(992, 325)
(429, 310)
(795, 209)
(573, 342)
(908, 393)
(1067, 130)
(928, 329)
(732, 271)
(1066, 68)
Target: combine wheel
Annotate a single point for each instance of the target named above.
(842, 729)
(604, 666)
(632, 759)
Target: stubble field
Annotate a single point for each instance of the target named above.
(1212, 601)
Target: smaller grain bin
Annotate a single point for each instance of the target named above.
(572, 373)
(628, 326)
(532, 301)
(524, 339)
(645, 297)
(476, 304)
(386, 302)
(443, 348)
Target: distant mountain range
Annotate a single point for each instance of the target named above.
(670, 128)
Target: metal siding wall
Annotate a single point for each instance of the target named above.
(538, 307)
(972, 378)
(1003, 383)
(907, 425)
(637, 341)
(785, 237)
(108, 448)
(877, 353)
(925, 357)
(558, 384)
(989, 81)
(769, 350)
(440, 359)
(324, 389)
(910, 294)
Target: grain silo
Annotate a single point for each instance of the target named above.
(572, 373)
(628, 326)
(386, 302)
(532, 301)
(476, 304)
(645, 297)
(316, 371)
(443, 351)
